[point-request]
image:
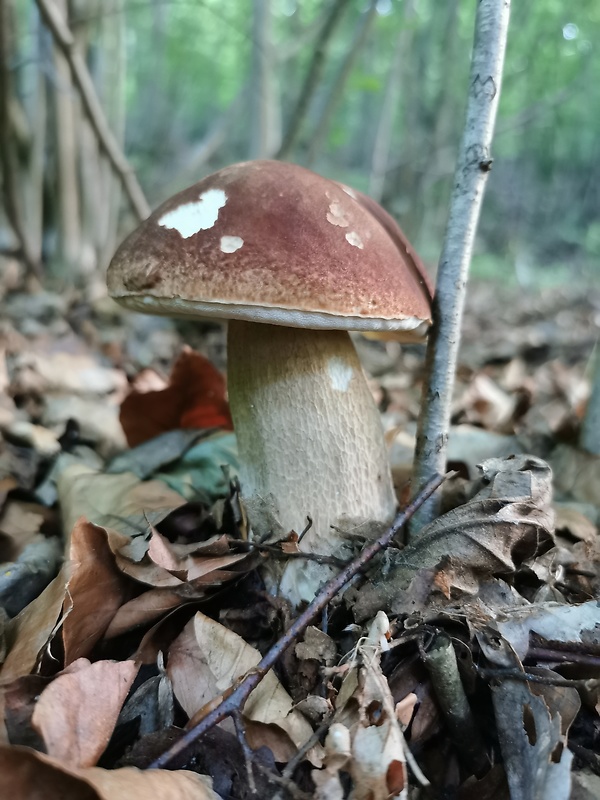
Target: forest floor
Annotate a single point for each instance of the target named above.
(133, 601)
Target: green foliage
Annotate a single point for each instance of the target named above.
(187, 62)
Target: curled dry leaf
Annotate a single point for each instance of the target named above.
(30, 631)
(509, 519)
(177, 573)
(25, 774)
(95, 591)
(376, 762)
(77, 712)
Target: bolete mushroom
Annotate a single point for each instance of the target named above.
(294, 261)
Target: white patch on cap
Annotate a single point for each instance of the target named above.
(349, 191)
(200, 215)
(340, 374)
(229, 244)
(337, 216)
(354, 239)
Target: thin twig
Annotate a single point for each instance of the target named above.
(440, 660)
(236, 700)
(472, 168)
(546, 680)
(107, 141)
(277, 552)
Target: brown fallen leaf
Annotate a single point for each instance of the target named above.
(31, 630)
(77, 712)
(148, 607)
(95, 591)
(195, 398)
(207, 659)
(509, 520)
(25, 775)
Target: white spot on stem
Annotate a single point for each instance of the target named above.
(229, 244)
(354, 239)
(340, 374)
(200, 215)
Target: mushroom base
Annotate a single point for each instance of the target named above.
(310, 444)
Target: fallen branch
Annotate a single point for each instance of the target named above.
(234, 703)
(472, 168)
(440, 660)
(109, 145)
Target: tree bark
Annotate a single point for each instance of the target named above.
(342, 76)
(66, 196)
(473, 165)
(13, 201)
(81, 76)
(313, 77)
(389, 107)
(265, 127)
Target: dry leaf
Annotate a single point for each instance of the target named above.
(207, 659)
(536, 759)
(22, 580)
(122, 502)
(95, 591)
(30, 631)
(509, 520)
(25, 775)
(76, 714)
(148, 607)
(195, 398)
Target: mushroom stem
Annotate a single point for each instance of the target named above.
(310, 442)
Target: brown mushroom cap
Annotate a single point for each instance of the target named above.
(268, 241)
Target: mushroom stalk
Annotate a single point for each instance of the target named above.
(310, 442)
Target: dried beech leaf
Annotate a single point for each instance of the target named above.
(207, 659)
(148, 607)
(29, 632)
(96, 590)
(76, 714)
(195, 398)
(25, 775)
(21, 581)
(508, 520)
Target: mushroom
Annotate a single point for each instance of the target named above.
(294, 261)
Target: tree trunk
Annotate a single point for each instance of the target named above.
(66, 196)
(265, 121)
(313, 77)
(391, 95)
(473, 165)
(339, 82)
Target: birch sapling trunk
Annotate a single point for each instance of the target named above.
(472, 168)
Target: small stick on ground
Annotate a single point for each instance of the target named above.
(236, 700)
(440, 660)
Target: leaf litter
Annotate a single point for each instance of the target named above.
(467, 662)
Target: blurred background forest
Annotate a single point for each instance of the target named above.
(107, 107)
